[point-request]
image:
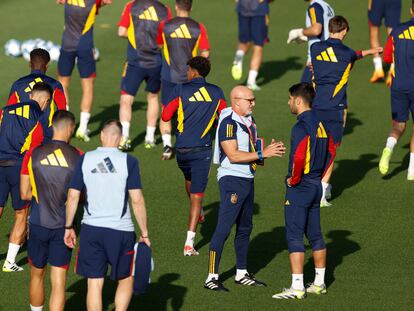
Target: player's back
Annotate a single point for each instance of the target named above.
(51, 167)
(200, 103)
(16, 125)
(403, 37)
(145, 17)
(79, 19)
(310, 138)
(332, 62)
(252, 7)
(21, 88)
(181, 41)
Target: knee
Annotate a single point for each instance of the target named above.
(399, 127)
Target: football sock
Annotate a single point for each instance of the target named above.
(319, 276)
(240, 273)
(377, 63)
(32, 308)
(166, 140)
(12, 252)
(84, 119)
(190, 238)
(252, 77)
(411, 166)
(149, 136)
(297, 281)
(391, 142)
(238, 58)
(324, 186)
(125, 128)
(211, 276)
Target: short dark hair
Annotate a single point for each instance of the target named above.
(338, 24)
(42, 87)
(185, 5)
(39, 57)
(412, 5)
(63, 117)
(303, 90)
(112, 122)
(201, 64)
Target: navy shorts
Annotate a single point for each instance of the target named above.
(389, 10)
(133, 76)
(166, 90)
(195, 166)
(47, 246)
(402, 103)
(85, 62)
(253, 29)
(333, 120)
(302, 216)
(100, 247)
(10, 184)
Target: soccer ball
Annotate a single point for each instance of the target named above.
(96, 54)
(54, 53)
(12, 48)
(27, 47)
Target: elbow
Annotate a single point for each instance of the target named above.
(25, 196)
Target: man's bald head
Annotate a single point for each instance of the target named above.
(242, 100)
(111, 133)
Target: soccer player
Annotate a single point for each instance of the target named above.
(318, 15)
(253, 17)
(180, 39)
(310, 155)
(198, 104)
(77, 45)
(45, 176)
(139, 23)
(400, 50)
(107, 233)
(237, 152)
(332, 62)
(20, 130)
(20, 90)
(390, 11)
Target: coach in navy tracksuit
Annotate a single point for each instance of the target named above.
(312, 151)
(236, 153)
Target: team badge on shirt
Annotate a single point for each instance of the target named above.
(234, 197)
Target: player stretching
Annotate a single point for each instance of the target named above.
(21, 89)
(45, 177)
(390, 10)
(253, 16)
(77, 45)
(20, 130)
(139, 23)
(400, 50)
(180, 39)
(332, 62)
(198, 104)
(318, 16)
(310, 155)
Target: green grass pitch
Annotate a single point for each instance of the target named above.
(368, 230)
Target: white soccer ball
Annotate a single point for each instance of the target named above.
(54, 53)
(27, 47)
(96, 54)
(13, 48)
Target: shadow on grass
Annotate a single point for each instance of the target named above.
(349, 173)
(351, 123)
(338, 248)
(275, 69)
(162, 295)
(262, 250)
